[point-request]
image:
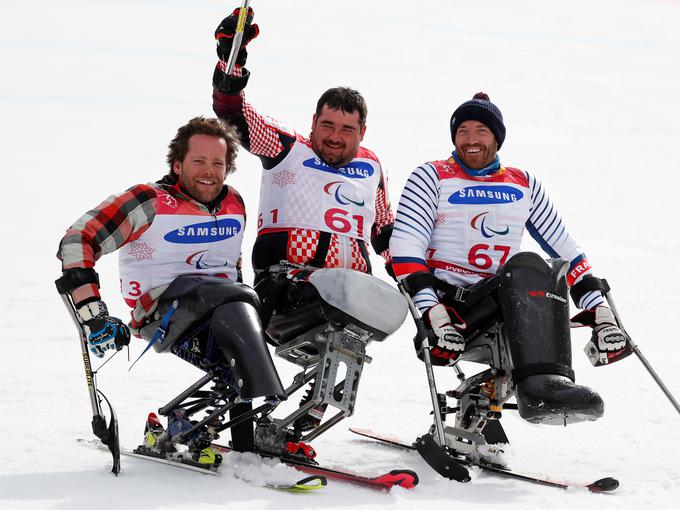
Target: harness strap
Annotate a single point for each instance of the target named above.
(578, 290)
(521, 373)
(162, 328)
(269, 302)
(319, 259)
(364, 254)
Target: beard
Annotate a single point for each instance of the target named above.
(478, 160)
(334, 155)
(201, 193)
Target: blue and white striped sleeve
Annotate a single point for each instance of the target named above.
(546, 226)
(413, 227)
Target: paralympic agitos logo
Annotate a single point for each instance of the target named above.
(206, 232)
(353, 170)
(196, 260)
(488, 231)
(344, 194)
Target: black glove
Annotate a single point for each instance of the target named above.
(224, 36)
(103, 332)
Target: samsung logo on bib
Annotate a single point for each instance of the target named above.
(486, 195)
(208, 232)
(355, 170)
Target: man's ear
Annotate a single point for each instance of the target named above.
(313, 122)
(177, 167)
(362, 133)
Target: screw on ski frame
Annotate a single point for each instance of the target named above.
(238, 36)
(434, 452)
(108, 434)
(636, 349)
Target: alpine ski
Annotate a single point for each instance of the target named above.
(309, 483)
(607, 484)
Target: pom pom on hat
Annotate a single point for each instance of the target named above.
(481, 109)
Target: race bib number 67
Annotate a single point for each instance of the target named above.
(480, 255)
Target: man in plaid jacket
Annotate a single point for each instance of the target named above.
(179, 245)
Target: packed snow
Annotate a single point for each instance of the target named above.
(91, 94)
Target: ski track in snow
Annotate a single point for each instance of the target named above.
(93, 91)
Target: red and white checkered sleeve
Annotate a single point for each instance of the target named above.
(384, 215)
(262, 135)
(264, 132)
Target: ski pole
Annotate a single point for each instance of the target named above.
(640, 356)
(238, 37)
(425, 348)
(435, 452)
(108, 434)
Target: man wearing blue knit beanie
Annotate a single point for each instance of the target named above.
(456, 250)
(480, 120)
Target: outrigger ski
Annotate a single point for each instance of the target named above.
(309, 483)
(607, 484)
(404, 478)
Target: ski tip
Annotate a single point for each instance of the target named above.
(607, 484)
(361, 432)
(399, 477)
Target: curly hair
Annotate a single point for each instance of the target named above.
(179, 146)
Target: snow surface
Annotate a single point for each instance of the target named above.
(91, 93)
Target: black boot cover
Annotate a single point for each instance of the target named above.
(534, 301)
(238, 330)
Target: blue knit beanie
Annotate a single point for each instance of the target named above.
(481, 109)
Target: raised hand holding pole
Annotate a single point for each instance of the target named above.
(238, 37)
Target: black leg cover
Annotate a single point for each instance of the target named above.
(534, 302)
(238, 330)
(242, 434)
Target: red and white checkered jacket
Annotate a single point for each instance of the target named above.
(268, 139)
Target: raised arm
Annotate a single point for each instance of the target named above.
(260, 135)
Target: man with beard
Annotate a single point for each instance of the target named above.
(323, 198)
(459, 220)
(179, 246)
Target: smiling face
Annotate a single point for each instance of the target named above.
(204, 168)
(336, 136)
(475, 144)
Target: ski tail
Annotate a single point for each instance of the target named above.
(400, 477)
